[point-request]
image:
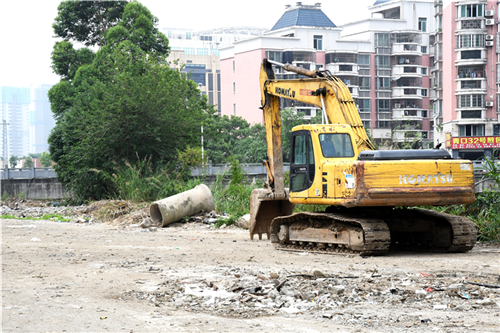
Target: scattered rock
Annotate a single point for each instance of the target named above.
(243, 221)
(146, 223)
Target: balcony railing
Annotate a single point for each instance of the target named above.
(470, 24)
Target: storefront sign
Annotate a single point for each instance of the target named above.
(475, 142)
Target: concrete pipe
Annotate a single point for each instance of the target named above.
(174, 208)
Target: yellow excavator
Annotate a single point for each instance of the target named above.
(368, 193)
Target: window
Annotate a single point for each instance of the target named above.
(470, 41)
(475, 84)
(318, 43)
(383, 83)
(234, 109)
(423, 92)
(476, 54)
(366, 71)
(424, 113)
(382, 40)
(382, 61)
(471, 114)
(302, 168)
(422, 24)
(423, 49)
(470, 11)
(365, 83)
(188, 35)
(424, 70)
(364, 60)
(384, 124)
(274, 55)
(234, 87)
(496, 129)
(210, 81)
(198, 78)
(234, 67)
(384, 105)
(336, 145)
(364, 105)
(470, 101)
(471, 130)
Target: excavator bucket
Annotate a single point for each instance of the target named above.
(264, 208)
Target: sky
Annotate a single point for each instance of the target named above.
(26, 36)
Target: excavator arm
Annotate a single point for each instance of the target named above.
(328, 93)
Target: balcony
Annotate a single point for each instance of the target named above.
(406, 48)
(344, 57)
(406, 71)
(341, 69)
(407, 92)
(301, 56)
(409, 114)
(467, 72)
(471, 57)
(406, 135)
(471, 85)
(354, 91)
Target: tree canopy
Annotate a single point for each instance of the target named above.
(120, 105)
(87, 22)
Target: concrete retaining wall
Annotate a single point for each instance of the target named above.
(34, 188)
(50, 188)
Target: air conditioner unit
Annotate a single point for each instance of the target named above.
(490, 22)
(489, 37)
(489, 12)
(397, 105)
(490, 43)
(489, 104)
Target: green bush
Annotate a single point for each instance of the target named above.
(233, 199)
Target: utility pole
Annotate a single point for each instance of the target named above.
(5, 152)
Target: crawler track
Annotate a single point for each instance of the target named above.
(373, 231)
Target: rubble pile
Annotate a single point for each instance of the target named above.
(29, 208)
(351, 298)
(115, 212)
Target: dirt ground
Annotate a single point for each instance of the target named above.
(81, 277)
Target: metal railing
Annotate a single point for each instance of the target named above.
(19, 173)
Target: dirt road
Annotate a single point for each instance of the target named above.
(69, 277)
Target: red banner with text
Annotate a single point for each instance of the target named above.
(475, 142)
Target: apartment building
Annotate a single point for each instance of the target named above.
(465, 77)
(14, 109)
(384, 60)
(197, 53)
(41, 120)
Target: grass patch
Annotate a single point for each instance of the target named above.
(59, 217)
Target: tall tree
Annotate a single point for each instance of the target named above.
(45, 159)
(87, 22)
(123, 104)
(13, 160)
(28, 162)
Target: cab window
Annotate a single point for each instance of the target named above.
(336, 145)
